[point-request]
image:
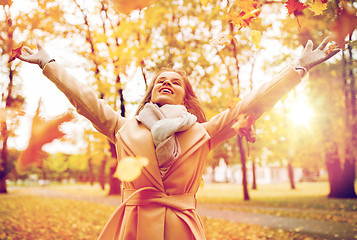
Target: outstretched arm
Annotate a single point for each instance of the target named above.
(83, 98)
(263, 98)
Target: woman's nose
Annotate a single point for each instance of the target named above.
(166, 82)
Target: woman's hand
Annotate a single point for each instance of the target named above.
(310, 58)
(40, 57)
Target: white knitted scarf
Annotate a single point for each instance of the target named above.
(164, 122)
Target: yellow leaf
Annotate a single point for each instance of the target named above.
(129, 168)
(255, 36)
(247, 5)
(318, 7)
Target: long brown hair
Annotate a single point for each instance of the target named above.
(190, 101)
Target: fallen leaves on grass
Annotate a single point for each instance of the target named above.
(31, 217)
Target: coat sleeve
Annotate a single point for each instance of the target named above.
(258, 101)
(85, 100)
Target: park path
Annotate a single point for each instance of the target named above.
(313, 228)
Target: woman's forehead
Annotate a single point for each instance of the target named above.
(170, 74)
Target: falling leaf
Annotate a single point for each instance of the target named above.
(344, 25)
(126, 7)
(318, 6)
(129, 168)
(15, 53)
(42, 132)
(295, 7)
(243, 19)
(256, 37)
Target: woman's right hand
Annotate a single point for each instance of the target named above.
(40, 57)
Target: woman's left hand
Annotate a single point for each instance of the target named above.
(310, 58)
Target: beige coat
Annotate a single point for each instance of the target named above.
(154, 208)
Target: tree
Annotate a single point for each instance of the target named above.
(17, 25)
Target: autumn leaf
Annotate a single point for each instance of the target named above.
(42, 132)
(295, 7)
(344, 25)
(243, 19)
(247, 5)
(126, 7)
(129, 168)
(318, 6)
(6, 2)
(255, 37)
(15, 53)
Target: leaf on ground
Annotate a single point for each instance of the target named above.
(15, 53)
(43, 131)
(129, 168)
(345, 24)
(318, 6)
(126, 7)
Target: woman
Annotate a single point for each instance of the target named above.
(171, 131)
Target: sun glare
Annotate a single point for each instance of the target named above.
(300, 113)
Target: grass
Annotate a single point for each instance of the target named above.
(305, 196)
(34, 217)
(43, 218)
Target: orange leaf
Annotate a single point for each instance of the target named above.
(296, 7)
(244, 19)
(344, 25)
(6, 2)
(42, 132)
(15, 53)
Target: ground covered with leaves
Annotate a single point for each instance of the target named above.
(35, 217)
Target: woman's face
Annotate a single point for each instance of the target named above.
(169, 88)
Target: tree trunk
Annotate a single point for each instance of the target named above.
(90, 169)
(254, 186)
(334, 170)
(244, 169)
(291, 175)
(115, 183)
(349, 176)
(101, 176)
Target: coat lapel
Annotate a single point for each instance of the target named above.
(138, 140)
(190, 140)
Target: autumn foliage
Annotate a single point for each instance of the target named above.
(43, 131)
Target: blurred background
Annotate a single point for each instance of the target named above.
(310, 135)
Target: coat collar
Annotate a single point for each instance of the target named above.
(138, 140)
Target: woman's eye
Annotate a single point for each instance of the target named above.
(177, 83)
